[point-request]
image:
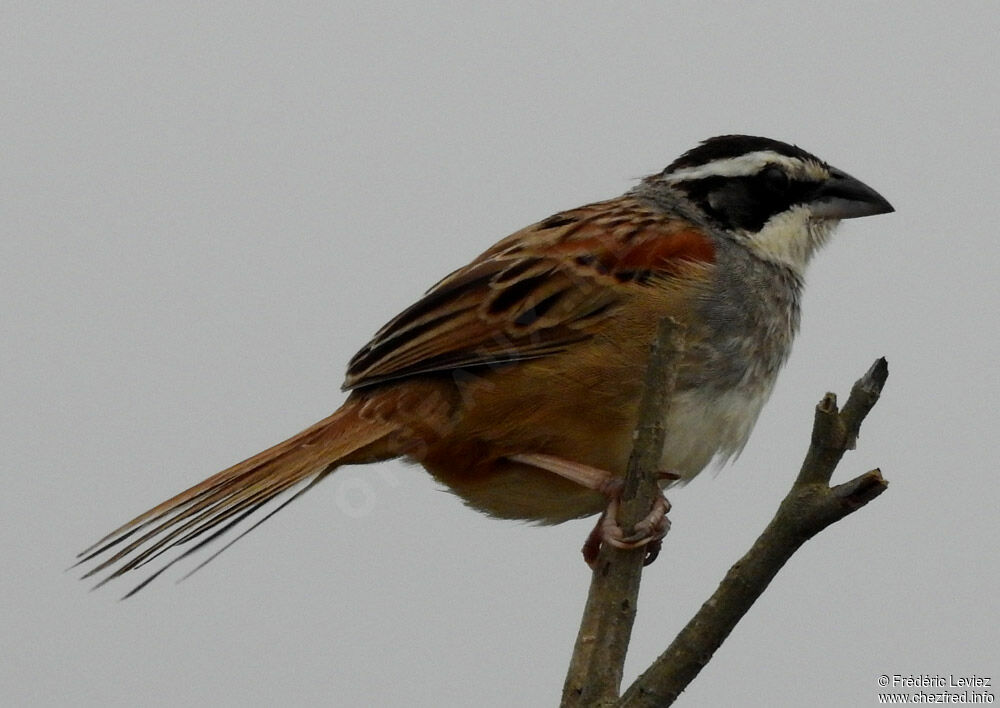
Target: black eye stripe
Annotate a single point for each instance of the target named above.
(747, 202)
(775, 178)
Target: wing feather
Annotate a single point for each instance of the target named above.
(536, 292)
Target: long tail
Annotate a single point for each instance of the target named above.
(214, 506)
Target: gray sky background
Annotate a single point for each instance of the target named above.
(207, 208)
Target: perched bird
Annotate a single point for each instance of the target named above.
(516, 380)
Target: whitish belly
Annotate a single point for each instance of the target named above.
(701, 427)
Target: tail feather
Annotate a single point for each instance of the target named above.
(215, 534)
(225, 499)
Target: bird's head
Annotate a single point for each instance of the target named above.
(779, 200)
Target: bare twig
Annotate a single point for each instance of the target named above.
(809, 507)
(595, 671)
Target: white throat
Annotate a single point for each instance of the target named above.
(791, 238)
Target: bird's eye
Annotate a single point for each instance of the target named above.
(775, 178)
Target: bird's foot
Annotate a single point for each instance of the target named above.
(649, 532)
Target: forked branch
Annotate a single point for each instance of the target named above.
(809, 507)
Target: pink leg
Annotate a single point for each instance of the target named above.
(648, 532)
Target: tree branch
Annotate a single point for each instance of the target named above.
(810, 506)
(595, 671)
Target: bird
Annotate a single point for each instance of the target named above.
(515, 381)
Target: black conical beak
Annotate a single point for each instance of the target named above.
(843, 197)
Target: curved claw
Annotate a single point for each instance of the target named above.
(648, 532)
